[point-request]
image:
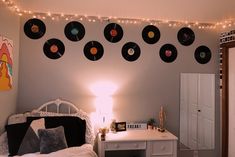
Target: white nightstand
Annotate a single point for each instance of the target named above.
(138, 143)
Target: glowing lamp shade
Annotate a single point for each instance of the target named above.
(103, 101)
(103, 89)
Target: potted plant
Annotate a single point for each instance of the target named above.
(151, 123)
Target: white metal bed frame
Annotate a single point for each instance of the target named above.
(43, 111)
(58, 102)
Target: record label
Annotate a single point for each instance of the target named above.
(53, 48)
(168, 53)
(151, 34)
(74, 31)
(131, 51)
(202, 54)
(113, 32)
(93, 50)
(186, 36)
(34, 28)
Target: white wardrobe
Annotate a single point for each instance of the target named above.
(197, 111)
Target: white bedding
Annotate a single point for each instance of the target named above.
(85, 150)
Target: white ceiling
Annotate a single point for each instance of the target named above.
(191, 10)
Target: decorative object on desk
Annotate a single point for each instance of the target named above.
(113, 125)
(151, 123)
(136, 126)
(103, 132)
(121, 126)
(162, 119)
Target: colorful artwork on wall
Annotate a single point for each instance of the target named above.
(6, 63)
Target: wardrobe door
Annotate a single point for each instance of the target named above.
(206, 111)
(197, 111)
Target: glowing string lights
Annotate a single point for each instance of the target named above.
(69, 17)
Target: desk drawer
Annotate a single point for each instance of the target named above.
(125, 145)
(162, 148)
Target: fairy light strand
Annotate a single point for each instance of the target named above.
(69, 17)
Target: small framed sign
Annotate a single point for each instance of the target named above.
(120, 126)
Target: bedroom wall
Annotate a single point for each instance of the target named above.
(10, 28)
(142, 86)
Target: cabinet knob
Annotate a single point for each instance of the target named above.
(136, 145)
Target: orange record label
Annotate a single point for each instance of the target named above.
(54, 48)
(35, 29)
(113, 32)
(93, 50)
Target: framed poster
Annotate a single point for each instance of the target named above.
(6, 63)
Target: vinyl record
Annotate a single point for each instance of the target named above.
(53, 48)
(151, 34)
(168, 53)
(186, 36)
(34, 28)
(74, 31)
(131, 51)
(202, 54)
(113, 32)
(93, 50)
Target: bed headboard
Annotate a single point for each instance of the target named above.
(72, 110)
(57, 103)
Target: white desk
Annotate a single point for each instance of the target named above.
(150, 143)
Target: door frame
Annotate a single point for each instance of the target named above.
(225, 95)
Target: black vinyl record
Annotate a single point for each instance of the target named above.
(186, 36)
(53, 48)
(151, 34)
(74, 31)
(168, 53)
(113, 32)
(131, 51)
(93, 50)
(34, 28)
(202, 54)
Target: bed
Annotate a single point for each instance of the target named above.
(57, 128)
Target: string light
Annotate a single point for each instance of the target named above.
(220, 24)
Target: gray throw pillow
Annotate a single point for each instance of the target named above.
(52, 140)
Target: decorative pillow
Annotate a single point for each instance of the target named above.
(30, 142)
(52, 140)
(15, 134)
(74, 128)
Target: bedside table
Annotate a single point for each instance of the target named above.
(138, 143)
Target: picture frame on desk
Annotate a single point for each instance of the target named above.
(120, 126)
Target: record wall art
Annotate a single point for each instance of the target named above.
(131, 51)
(93, 50)
(202, 54)
(186, 36)
(113, 32)
(168, 53)
(74, 31)
(53, 48)
(151, 34)
(34, 28)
